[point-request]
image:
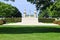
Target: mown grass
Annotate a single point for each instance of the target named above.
(29, 32)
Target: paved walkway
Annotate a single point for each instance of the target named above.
(33, 24)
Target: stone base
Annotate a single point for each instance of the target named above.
(29, 20)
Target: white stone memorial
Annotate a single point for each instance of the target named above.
(30, 19)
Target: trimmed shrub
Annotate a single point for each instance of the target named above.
(1, 22)
(46, 20)
(4, 22)
(13, 20)
(56, 22)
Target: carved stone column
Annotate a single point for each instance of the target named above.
(35, 14)
(24, 15)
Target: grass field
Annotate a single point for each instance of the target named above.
(29, 32)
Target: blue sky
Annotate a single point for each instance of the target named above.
(21, 4)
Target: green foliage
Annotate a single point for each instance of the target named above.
(10, 0)
(30, 1)
(57, 22)
(56, 9)
(13, 20)
(44, 13)
(46, 20)
(7, 10)
(39, 3)
(47, 8)
(52, 11)
(1, 22)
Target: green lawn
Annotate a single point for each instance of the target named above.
(29, 32)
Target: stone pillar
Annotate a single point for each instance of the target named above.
(29, 15)
(24, 15)
(35, 14)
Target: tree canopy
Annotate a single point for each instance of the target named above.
(41, 4)
(52, 11)
(47, 8)
(7, 10)
(10, 0)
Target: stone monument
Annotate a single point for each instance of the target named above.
(29, 19)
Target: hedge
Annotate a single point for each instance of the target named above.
(2, 22)
(46, 20)
(56, 22)
(13, 20)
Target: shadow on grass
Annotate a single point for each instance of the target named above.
(25, 30)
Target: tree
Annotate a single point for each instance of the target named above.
(53, 11)
(18, 14)
(7, 10)
(41, 4)
(10, 0)
(56, 9)
(47, 7)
